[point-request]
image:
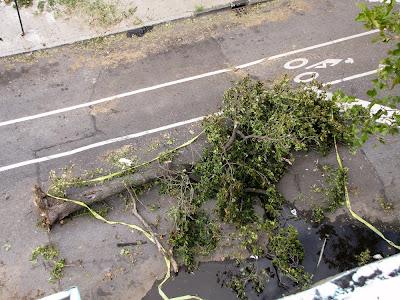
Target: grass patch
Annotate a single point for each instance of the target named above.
(199, 8)
(99, 12)
(21, 3)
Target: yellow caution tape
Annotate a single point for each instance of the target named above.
(126, 171)
(370, 226)
(138, 228)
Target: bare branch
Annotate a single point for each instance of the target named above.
(264, 137)
(256, 191)
(148, 228)
(233, 136)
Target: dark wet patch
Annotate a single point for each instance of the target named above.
(139, 32)
(344, 242)
(347, 240)
(346, 282)
(363, 279)
(208, 282)
(10, 75)
(102, 293)
(48, 68)
(395, 273)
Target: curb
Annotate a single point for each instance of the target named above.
(147, 26)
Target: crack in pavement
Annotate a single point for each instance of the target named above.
(86, 136)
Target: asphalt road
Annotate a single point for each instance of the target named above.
(54, 82)
(34, 90)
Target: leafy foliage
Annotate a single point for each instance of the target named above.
(245, 274)
(317, 214)
(250, 148)
(336, 178)
(252, 143)
(364, 257)
(387, 20)
(194, 234)
(61, 181)
(385, 205)
(49, 253)
(288, 254)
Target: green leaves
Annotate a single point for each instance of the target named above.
(252, 142)
(194, 234)
(372, 93)
(387, 20)
(49, 253)
(288, 254)
(380, 17)
(367, 17)
(250, 149)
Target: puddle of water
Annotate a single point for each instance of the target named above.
(207, 282)
(344, 241)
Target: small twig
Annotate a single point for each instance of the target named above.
(256, 191)
(319, 260)
(280, 282)
(264, 137)
(233, 136)
(288, 161)
(131, 243)
(147, 226)
(322, 252)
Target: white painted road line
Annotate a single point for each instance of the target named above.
(374, 109)
(324, 44)
(100, 144)
(250, 64)
(151, 88)
(147, 132)
(351, 77)
(159, 86)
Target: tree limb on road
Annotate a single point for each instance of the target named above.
(53, 210)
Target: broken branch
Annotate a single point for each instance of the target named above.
(264, 137)
(53, 209)
(149, 230)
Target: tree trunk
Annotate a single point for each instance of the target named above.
(54, 210)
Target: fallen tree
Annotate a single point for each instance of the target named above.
(250, 147)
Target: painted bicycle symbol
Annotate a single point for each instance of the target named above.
(309, 76)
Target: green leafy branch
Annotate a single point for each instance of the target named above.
(385, 116)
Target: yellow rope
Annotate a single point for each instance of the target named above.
(370, 226)
(110, 176)
(138, 228)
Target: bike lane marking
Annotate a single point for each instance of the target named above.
(324, 64)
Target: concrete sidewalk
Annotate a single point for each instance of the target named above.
(52, 26)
